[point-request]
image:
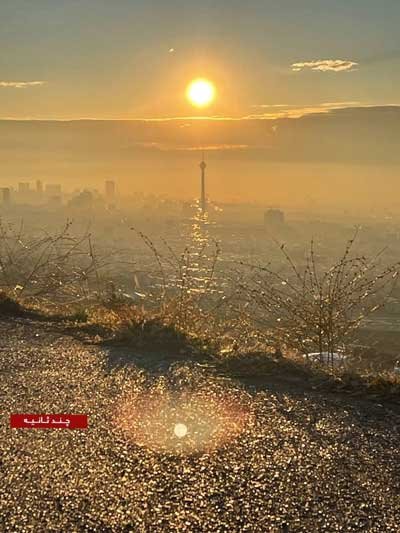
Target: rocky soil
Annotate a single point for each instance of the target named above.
(271, 459)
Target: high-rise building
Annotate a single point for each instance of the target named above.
(274, 218)
(83, 200)
(39, 187)
(23, 187)
(6, 195)
(109, 189)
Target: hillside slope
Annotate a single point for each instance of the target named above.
(302, 462)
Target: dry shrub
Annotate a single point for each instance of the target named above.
(191, 294)
(48, 269)
(317, 309)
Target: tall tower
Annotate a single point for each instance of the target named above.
(203, 201)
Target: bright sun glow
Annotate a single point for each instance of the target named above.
(200, 92)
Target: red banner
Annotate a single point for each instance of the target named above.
(47, 421)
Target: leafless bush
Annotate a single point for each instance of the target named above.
(189, 290)
(59, 267)
(312, 309)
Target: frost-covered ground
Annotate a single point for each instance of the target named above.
(272, 460)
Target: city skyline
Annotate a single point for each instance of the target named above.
(306, 94)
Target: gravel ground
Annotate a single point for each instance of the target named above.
(266, 461)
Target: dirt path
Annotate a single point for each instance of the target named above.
(303, 462)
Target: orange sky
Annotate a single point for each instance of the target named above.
(307, 100)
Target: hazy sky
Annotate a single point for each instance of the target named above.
(307, 95)
(112, 59)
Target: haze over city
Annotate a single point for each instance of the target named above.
(305, 108)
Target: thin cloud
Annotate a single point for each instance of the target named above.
(337, 105)
(273, 105)
(298, 111)
(325, 65)
(21, 84)
(325, 104)
(164, 147)
(292, 111)
(215, 147)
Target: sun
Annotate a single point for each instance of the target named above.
(200, 92)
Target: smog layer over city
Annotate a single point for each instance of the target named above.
(199, 259)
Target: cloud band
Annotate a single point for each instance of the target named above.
(21, 84)
(325, 65)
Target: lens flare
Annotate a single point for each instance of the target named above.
(213, 414)
(180, 430)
